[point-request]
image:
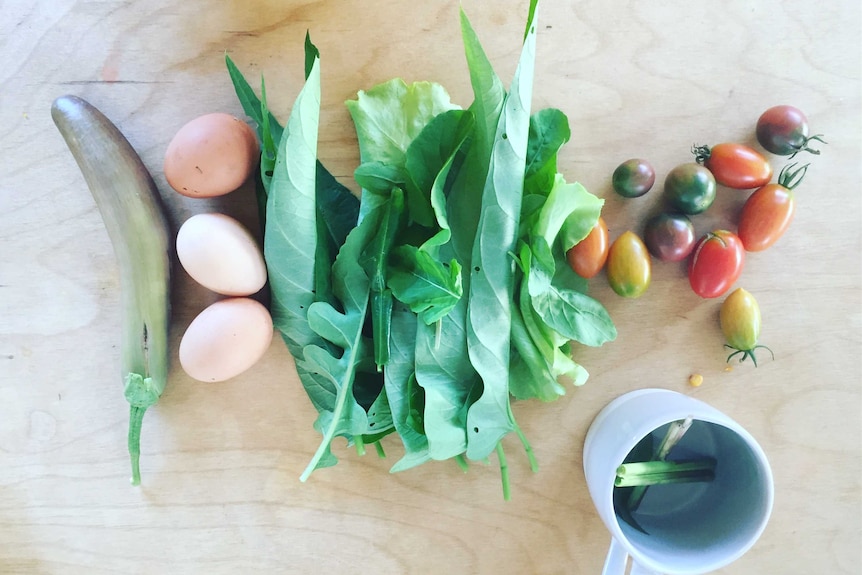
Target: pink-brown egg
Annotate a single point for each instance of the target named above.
(210, 156)
(226, 339)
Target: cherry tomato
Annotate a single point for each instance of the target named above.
(740, 323)
(633, 178)
(690, 188)
(783, 130)
(767, 212)
(669, 237)
(628, 267)
(588, 256)
(735, 165)
(715, 263)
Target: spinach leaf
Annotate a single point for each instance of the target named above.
(572, 314)
(291, 221)
(445, 373)
(269, 132)
(489, 418)
(401, 389)
(549, 130)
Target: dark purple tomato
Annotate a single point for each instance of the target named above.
(669, 237)
(783, 130)
(633, 178)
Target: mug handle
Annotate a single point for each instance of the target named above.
(615, 562)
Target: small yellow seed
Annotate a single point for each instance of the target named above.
(695, 380)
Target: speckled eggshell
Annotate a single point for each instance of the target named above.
(226, 339)
(210, 156)
(221, 254)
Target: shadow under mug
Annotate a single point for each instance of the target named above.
(687, 528)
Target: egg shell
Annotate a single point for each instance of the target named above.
(221, 254)
(226, 339)
(210, 156)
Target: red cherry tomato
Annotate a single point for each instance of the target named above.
(587, 257)
(735, 165)
(715, 263)
(768, 212)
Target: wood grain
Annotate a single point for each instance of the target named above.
(221, 462)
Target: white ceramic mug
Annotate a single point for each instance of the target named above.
(691, 528)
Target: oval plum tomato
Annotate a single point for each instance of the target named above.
(736, 166)
(633, 178)
(690, 188)
(587, 257)
(628, 268)
(767, 212)
(715, 263)
(740, 323)
(669, 237)
(783, 130)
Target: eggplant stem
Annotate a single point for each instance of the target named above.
(136, 418)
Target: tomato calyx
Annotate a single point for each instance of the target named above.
(803, 147)
(701, 153)
(746, 353)
(790, 178)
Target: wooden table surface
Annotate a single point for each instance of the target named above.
(221, 462)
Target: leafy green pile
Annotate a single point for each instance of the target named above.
(423, 306)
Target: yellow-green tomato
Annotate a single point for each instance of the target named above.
(740, 324)
(628, 266)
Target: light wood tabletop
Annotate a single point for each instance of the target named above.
(221, 462)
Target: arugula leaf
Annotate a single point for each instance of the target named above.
(489, 419)
(343, 328)
(424, 284)
(373, 259)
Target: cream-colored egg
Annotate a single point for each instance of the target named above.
(211, 155)
(226, 339)
(221, 254)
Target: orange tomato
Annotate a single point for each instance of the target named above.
(735, 165)
(588, 257)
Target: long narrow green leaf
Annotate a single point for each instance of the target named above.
(493, 269)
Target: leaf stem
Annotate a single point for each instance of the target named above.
(504, 472)
(462, 462)
(534, 465)
(380, 452)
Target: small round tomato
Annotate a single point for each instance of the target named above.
(740, 323)
(669, 237)
(783, 130)
(628, 267)
(690, 188)
(715, 263)
(587, 257)
(633, 178)
(736, 166)
(767, 212)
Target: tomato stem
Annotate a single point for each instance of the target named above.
(701, 153)
(803, 147)
(790, 178)
(747, 353)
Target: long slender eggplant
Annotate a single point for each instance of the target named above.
(129, 202)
